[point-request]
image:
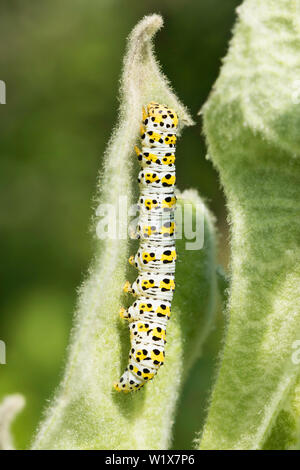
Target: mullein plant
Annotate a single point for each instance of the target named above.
(251, 123)
(87, 413)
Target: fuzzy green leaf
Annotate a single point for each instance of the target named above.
(285, 432)
(251, 122)
(86, 412)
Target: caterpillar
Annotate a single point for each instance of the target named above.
(156, 257)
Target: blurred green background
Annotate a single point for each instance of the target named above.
(61, 61)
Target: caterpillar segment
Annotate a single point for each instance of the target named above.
(156, 228)
(155, 259)
(156, 203)
(160, 285)
(147, 309)
(154, 180)
(154, 138)
(156, 159)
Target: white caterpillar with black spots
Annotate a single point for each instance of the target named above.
(156, 256)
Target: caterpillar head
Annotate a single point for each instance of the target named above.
(161, 114)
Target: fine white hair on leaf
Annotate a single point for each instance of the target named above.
(10, 407)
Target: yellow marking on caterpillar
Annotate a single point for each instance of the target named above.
(131, 260)
(123, 313)
(168, 181)
(150, 204)
(127, 287)
(163, 312)
(167, 284)
(172, 256)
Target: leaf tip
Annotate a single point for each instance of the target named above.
(147, 27)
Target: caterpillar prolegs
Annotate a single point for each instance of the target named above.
(156, 257)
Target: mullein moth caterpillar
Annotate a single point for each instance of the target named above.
(156, 257)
